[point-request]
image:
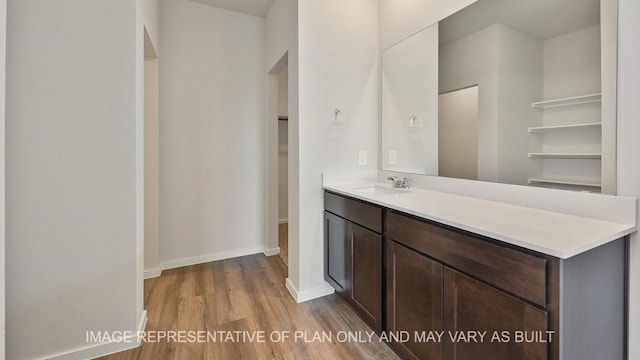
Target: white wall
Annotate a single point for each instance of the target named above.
(609, 59)
(401, 19)
(281, 51)
(338, 68)
(283, 144)
(281, 28)
(519, 84)
(409, 88)
(507, 67)
(572, 68)
(151, 167)
(3, 37)
(283, 92)
(151, 19)
(572, 63)
(211, 133)
(283, 174)
(628, 174)
(470, 61)
(72, 257)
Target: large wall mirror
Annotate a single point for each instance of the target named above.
(517, 92)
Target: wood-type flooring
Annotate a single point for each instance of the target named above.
(239, 299)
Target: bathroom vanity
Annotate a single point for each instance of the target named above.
(444, 276)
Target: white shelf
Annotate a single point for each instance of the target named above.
(566, 155)
(540, 129)
(566, 182)
(571, 101)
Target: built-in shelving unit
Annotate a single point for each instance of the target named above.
(565, 182)
(566, 155)
(539, 129)
(581, 131)
(570, 101)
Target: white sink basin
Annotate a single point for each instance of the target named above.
(375, 189)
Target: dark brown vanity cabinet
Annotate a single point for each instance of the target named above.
(425, 294)
(337, 252)
(486, 298)
(414, 300)
(473, 305)
(353, 262)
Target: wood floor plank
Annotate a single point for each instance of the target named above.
(245, 296)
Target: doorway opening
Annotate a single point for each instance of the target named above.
(458, 133)
(283, 165)
(280, 221)
(151, 159)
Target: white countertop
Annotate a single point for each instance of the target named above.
(556, 234)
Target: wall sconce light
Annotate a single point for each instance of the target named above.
(338, 118)
(415, 122)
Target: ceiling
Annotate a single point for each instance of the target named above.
(251, 7)
(542, 19)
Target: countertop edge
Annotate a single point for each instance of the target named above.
(624, 230)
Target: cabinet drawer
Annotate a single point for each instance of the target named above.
(519, 273)
(367, 215)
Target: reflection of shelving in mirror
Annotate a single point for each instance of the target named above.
(570, 101)
(570, 150)
(540, 129)
(566, 182)
(566, 155)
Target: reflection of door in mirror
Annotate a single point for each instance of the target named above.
(458, 134)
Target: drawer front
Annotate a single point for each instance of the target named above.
(359, 212)
(521, 274)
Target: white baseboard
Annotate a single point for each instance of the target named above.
(102, 349)
(201, 259)
(272, 252)
(152, 273)
(283, 221)
(310, 294)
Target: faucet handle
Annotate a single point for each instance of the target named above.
(396, 182)
(405, 183)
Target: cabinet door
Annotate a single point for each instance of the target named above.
(366, 274)
(414, 300)
(336, 252)
(470, 305)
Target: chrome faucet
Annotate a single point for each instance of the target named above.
(399, 184)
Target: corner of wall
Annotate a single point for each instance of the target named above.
(309, 294)
(104, 348)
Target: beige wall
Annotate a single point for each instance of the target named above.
(458, 134)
